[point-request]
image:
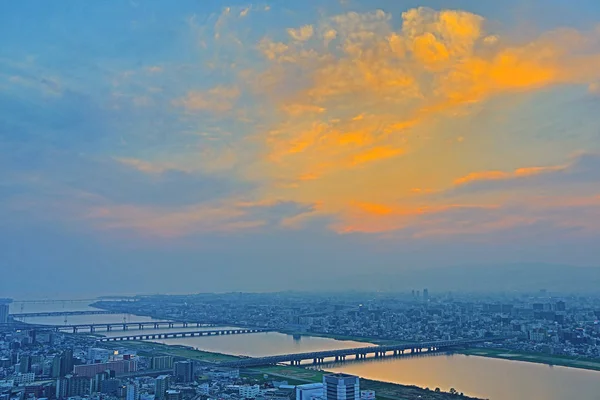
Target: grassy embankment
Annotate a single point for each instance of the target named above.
(550, 359)
(294, 375)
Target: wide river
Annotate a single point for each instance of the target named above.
(483, 377)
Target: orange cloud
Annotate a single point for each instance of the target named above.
(498, 175)
(374, 154)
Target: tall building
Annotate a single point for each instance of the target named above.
(133, 391)
(24, 364)
(309, 391)
(161, 386)
(161, 362)
(425, 294)
(4, 310)
(67, 362)
(56, 366)
(183, 371)
(341, 387)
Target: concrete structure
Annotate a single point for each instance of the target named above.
(249, 392)
(341, 387)
(309, 391)
(161, 386)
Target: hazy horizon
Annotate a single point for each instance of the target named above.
(182, 147)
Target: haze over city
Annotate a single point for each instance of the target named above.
(204, 146)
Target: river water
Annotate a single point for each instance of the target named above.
(483, 377)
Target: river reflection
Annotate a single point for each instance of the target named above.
(489, 378)
(263, 344)
(483, 377)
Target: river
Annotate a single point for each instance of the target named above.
(483, 377)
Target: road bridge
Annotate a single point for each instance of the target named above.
(172, 335)
(126, 326)
(62, 313)
(319, 357)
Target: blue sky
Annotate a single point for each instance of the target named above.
(250, 145)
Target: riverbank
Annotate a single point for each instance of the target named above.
(383, 390)
(538, 358)
(294, 375)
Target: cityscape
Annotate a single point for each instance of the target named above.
(299, 200)
(134, 358)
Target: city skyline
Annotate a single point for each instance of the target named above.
(184, 148)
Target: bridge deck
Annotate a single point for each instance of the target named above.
(359, 351)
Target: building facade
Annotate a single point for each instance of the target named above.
(341, 387)
(161, 385)
(183, 371)
(309, 391)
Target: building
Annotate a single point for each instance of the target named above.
(425, 294)
(4, 310)
(173, 395)
(249, 391)
(98, 355)
(119, 367)
(161, 386)
(110, 386)
(367, 395)
(24, 364)
(161, 362)
(66, 366)
(22, 379)
(183, 371)
(341, 387)
(133, 392)
(309, 391)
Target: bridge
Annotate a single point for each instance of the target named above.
(125, 326)
(62, 313)
(319, 357)
(172, 335)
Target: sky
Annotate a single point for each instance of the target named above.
(170, 147)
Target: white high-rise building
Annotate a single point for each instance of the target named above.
(309, 391)
(341, 387)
